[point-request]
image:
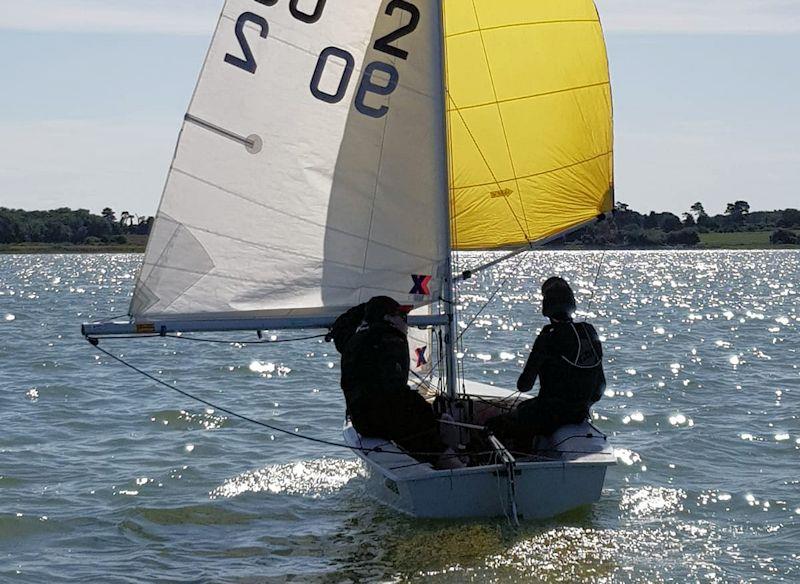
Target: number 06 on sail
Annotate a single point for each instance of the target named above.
(338, 150)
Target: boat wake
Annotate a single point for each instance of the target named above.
(308, 478)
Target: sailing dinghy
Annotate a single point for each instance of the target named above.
(337, 151)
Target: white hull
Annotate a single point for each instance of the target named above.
(544, 488)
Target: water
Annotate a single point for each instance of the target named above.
(105, 477)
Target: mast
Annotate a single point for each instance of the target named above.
(448, 281)
(451, 333)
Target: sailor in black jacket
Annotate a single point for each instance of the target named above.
(567, 358)
(372, 339)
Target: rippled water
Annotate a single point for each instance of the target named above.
(105, 477)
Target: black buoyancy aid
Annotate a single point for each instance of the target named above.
(572, 371)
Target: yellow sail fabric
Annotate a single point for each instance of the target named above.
(529, 120)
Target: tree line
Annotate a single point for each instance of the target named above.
(65, 226)
(626, 228)
(629, 228)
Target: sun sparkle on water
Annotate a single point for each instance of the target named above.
(702, 492)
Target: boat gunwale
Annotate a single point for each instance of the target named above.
(424, 471)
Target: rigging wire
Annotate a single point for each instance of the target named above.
(436, 366)
(491, 298)
(594, 285)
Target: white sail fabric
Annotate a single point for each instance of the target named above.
(304, 182)
(420, 346)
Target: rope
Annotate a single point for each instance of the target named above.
(289, 432)
(247, 418)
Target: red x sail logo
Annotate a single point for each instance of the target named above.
(421, 359)
(421, 285)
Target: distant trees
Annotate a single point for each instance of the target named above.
(737, 211)
(126, 219)
(668, 222)
(784, 237)
(687, 237)
(698, 209)
(109, 215)
(629, 228)
(789, 218)
(738, 208)
(707, 223)
(68, 226)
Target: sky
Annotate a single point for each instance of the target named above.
(94, 92)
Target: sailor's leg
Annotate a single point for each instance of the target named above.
(535, 417)
(413, 423)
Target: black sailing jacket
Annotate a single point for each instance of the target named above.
(567, 358)
(375, 359)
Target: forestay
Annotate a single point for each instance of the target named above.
(310, 174)
(530, 120)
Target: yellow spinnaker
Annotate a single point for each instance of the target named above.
(530, 120)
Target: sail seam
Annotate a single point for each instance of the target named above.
(488, 166)
(378, 172)
(273, 36)
(261, 245)
(225, 276)
(221, 275)
(288, 250)
(542, 241)
(521, 24)
(502, 124)
(535, 95)
(315, 56)
(298, 217)
(535, 174)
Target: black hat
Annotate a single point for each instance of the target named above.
(559, 300)
(380, 306)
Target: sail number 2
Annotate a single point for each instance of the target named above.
(379, 78)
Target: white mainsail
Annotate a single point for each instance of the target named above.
(311, 169)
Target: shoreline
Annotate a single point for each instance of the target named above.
(45, 249)
(61, 249)
(713, 240)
